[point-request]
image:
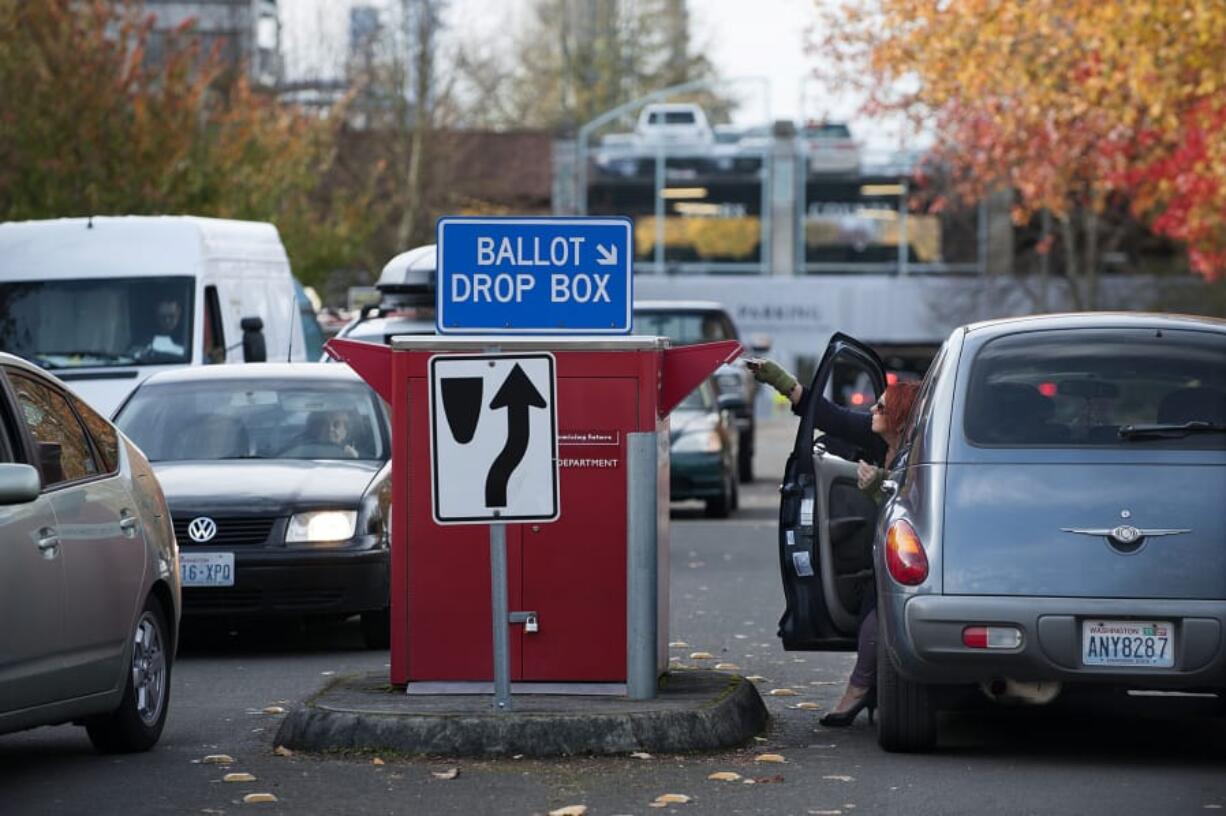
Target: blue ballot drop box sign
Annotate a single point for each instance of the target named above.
(564, 275)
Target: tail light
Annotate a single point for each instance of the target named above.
(904, 554)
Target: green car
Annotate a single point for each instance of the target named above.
(703, 440)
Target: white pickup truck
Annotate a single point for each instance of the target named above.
(674, 125)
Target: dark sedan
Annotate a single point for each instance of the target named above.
(278, 480)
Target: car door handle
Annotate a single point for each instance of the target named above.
(48, 542)
(128, 523)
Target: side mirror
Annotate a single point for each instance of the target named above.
(732, 402)
(19, 484)
(254, 350)
(760, 344)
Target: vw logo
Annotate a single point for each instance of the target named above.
(201, 529)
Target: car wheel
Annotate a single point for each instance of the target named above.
(744, 457)
(721, 505)
(906, 717)
(377, 628)
(137, 724)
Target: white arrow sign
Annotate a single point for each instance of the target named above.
(493, 438)
(607, 257)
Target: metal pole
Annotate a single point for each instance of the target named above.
(498, 581)
(660, 182)
(904, 240)
(642, 566)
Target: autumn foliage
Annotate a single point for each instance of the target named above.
(103, 116)
(1073, 104)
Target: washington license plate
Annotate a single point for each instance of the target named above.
(206, 569)
(1128, 643)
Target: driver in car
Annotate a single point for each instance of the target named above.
(167, 335)
(332, 428)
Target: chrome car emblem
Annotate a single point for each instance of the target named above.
(201, 529)
(1125, 533)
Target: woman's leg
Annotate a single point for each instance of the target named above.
(864, 675)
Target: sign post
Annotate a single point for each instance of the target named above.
(494, 460)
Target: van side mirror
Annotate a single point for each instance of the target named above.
(254, 350)
(760, 344)
(19, 484)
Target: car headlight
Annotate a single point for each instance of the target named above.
(698, 442)
(321, 526)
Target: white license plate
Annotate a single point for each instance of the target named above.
(206, 569)
(1128, 643)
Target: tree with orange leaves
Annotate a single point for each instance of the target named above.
(1074, 105)
(91, 124)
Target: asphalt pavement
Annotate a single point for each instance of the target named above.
(1156, 755)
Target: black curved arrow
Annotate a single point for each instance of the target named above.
(517, 394)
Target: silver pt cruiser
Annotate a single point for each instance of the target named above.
(1056, 517)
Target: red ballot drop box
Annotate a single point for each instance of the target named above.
(567, 579)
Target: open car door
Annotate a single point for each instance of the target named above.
(826, 523)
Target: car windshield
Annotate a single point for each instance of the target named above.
(88, 322)
(684, 328)
(1095, 388)
(246, 419)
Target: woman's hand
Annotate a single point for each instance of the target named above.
(773, 374)
(866, 474)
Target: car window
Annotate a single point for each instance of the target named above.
(64, 453)
(244, 419)
(106, 441)
(922, 410)
(1080, 387)
(699, 399)
(685, 328)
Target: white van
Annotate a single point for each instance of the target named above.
(104, 302)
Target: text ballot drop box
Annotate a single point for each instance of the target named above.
(570, 579)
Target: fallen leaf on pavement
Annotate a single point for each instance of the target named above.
(274, 710)
(727, 667)
(672, 799)
(840, 778)
(282, 751)
(258, 798)
(741, 637)
(766, 780)
(769, 758)
(450, 773)
(569, 810)
(724, 776)
(238, 777)
(678, 644)
(701, 656)
(748, 782)
(641, 755)
(807, 706)
(756, 678)
(760, 739)
(218, 759)
(783, 692)
(377, 761)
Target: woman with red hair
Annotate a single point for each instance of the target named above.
(877, 432)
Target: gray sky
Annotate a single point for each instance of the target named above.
(744, 38)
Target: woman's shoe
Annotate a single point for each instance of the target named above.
(842, 719)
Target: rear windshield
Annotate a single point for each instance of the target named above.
(684, 328)
(1080, 387)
